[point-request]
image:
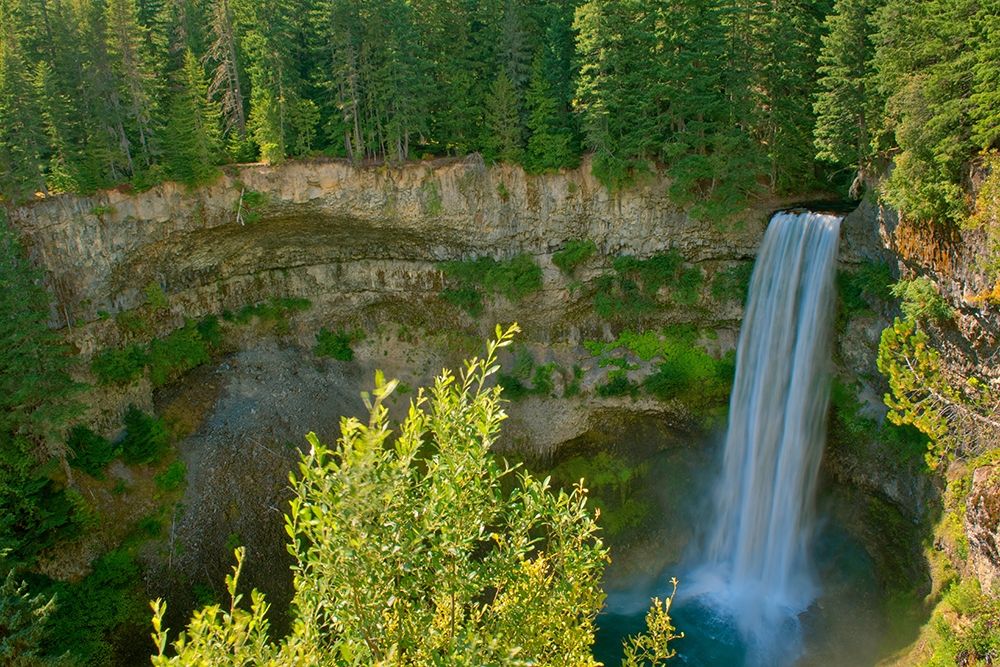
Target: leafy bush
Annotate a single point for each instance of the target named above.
(91, 452)
(156, 297)
(921, 301)
(175, 354)
(336, 344)
(515, 566)
(146, 437)
(119, 366)
(618, 384)
(573, 254)
(514, 279)
(732, 283)
(172, 477)
(632, 290)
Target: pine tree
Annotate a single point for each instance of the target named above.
(128, 47)
(23, 618)
(282, 120)
(22, 139)
(227, 83)
(846, 106)
(35, 404)
(924, 59)
(617, 49)
(193, 145)
(503, 141)
(986, 89)
(550, 142)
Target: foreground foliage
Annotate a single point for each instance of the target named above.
(419, 547)
(36, 403)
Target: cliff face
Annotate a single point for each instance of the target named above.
(387, 224)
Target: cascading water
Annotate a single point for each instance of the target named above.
(756, 566)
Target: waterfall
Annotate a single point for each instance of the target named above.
(756, 563)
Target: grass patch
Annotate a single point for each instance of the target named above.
(573, 254)
(336, 344)
(632, 290)
(146, 437)
(91, 452)
(514, 279)
(173, 477)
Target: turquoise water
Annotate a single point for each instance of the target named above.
(843, 628)
(846, 626)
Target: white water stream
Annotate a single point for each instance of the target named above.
(756, 564)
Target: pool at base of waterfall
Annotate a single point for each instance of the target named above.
(847, 625)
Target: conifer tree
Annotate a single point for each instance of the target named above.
(35, 404)
(22, 139)
(846, 106)
(503, 141)
(193, 145)
(128, 47)
(550, 142)
(986, 71)
(227, 85)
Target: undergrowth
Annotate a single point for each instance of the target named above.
(471, 280)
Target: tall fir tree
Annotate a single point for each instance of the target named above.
(128, 45)
(550, 140)
(504, 139)
(846, 106)
(193, 145)
(36, 402)
(22, 137)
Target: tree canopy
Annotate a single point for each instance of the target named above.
(418, 546)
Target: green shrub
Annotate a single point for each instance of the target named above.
(851, 427)
(541, 381)
(921, 300)
(514, 279)
(632, 290)
(131, 323)
(272, 310)
(732, 283)
(618, 384)
(156, 297)
(92, 614)
(573, 254)
(175, 354)
(91, 452)
(119, 366)
(513, 388)
(210, 331)
(688, 286)
(146, 437)
(573, 387)
(336, 344)
(685, 369)
(465, 297)
(172, 477)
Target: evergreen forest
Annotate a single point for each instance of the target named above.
(732, 97)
